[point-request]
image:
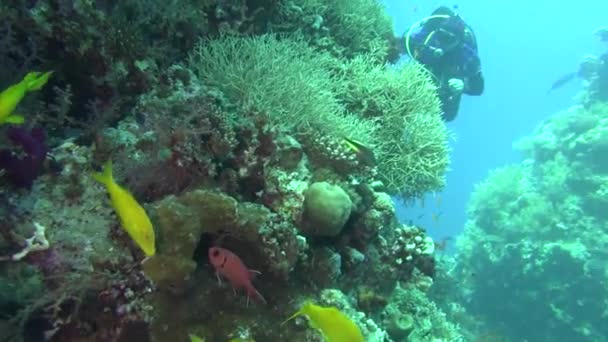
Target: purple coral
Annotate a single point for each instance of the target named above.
(22, 166)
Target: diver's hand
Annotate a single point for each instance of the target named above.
(437, 52)
(456, 84)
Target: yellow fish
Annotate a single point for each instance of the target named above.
(194, 338)
(364, 153)
(11, 96)
(133, 217)
(334, 325)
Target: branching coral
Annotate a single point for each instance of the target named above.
(396, 112)
(345, 28)
(37, 242)
(413, 149)
(285, 79)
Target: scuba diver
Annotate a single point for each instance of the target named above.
(447, 47)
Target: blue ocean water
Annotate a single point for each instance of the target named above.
(524, 47)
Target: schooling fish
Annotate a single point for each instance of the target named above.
(231, 267)
(335, 326)
(133, 217)
(11, 96)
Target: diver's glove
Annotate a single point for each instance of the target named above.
(437, 52)
(456, 85)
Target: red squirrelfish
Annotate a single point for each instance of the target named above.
(231, 267)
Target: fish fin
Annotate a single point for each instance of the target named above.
(36, 80)
(351, 144)
(253, 293)
(254, 273)
(219, 280)
(364, 152)
(194, 338)
(105, 177)
(15, 119)
(298, 313)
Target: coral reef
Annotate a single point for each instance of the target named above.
(286, 79)
(536, 234)
(228, 122)
(397, 110)
(343, 28)
(410, 316)
(594, 70)
(413, 150)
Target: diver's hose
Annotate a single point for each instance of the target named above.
(416, 24)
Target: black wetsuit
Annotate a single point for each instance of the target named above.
(459, 59)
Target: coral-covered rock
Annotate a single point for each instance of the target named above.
(327, 207)
(289, 152)
(324, 268)
(378, 215)
(284, 192)
(170, 273)
(179, 224)
(182, 220)
(411, 316)
(200, 219)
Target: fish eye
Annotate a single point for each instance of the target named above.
(215, 253)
